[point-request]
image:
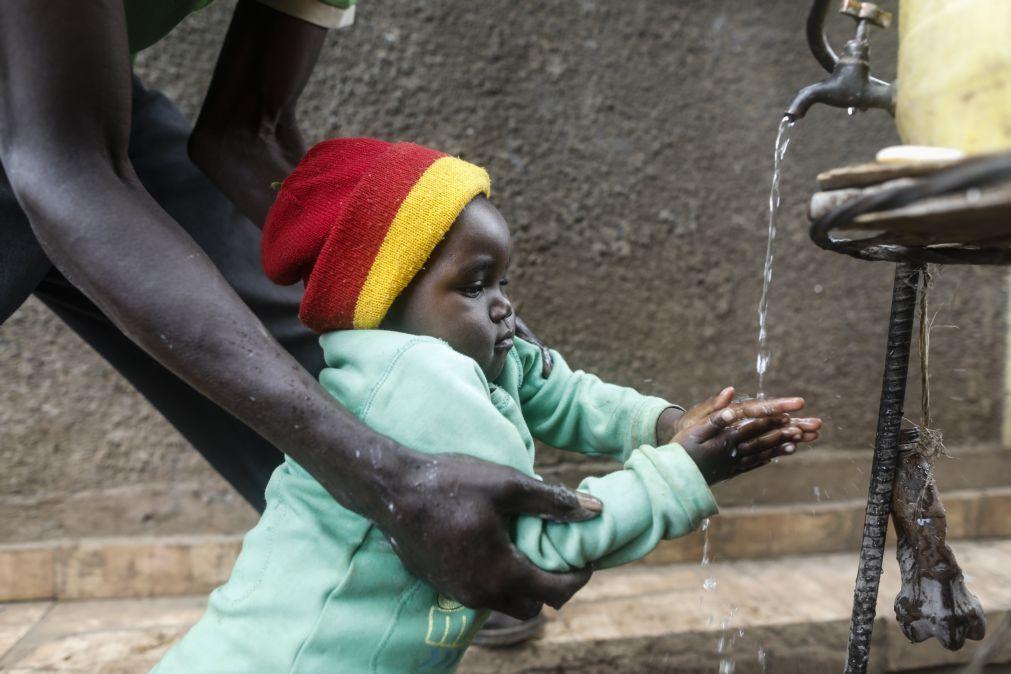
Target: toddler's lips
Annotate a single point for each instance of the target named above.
(504, 344)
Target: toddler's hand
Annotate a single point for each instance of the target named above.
(670, 424)
(736, 438)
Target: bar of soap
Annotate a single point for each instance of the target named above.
(902, 154)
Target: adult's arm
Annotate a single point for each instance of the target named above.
(64, 128)
(246, 136)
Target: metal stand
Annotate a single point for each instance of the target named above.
(879, 499)
(911, 263)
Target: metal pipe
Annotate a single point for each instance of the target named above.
(886, 446)
(816, 38)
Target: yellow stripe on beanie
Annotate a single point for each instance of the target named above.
(421, 222)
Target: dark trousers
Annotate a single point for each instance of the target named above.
(158, 151)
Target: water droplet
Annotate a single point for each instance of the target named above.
(705, 542)
(709, 583)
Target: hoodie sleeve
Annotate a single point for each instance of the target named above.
(660, 494)
(578, 412)
(434, 400)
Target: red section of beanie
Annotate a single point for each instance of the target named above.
(311, 200)
(347, 255)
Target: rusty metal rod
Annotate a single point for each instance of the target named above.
(886, 444)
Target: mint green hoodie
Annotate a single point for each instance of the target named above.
(318, 588)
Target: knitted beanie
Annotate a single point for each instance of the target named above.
(357, 219)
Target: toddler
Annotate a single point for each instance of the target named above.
(405, 264)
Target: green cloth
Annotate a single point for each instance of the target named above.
(148, 21)
(318, 588)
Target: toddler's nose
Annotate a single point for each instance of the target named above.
(501, 310)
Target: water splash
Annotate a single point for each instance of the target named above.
(709, 584)
(728, 635)
(725, 646)
(782, 142)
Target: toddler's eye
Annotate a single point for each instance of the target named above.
(473, 290)
(504, 282)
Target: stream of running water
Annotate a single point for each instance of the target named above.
(762, 363)
(728, 634)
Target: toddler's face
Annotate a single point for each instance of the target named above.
(459, 295)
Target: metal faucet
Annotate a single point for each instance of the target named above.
(850, 84)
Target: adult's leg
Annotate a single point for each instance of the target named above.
(22, 262)
(239, 454)
(158, 152)
(242, 457)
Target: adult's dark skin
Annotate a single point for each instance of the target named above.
(65, 97)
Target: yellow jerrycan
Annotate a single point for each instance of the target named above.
(954, 74)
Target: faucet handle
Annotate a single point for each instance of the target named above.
(866, 11)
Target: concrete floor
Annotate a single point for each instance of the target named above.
(782, 615)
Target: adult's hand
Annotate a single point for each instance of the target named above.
(448, 523)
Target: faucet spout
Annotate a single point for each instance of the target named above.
(805, 98)
(850, 84)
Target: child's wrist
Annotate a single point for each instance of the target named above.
(667, 424)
